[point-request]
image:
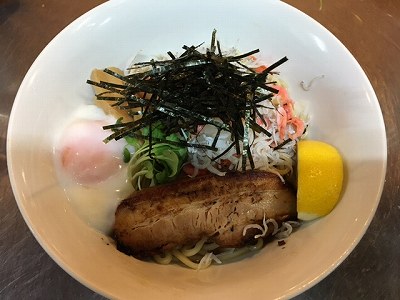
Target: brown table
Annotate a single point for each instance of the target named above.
(370, 29)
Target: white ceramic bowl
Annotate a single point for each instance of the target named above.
(344, 112)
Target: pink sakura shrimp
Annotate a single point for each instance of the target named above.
(286, 117)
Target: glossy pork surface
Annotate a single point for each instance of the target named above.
(183, 212)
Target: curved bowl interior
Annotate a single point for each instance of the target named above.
(343, 109)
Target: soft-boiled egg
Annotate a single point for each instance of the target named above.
(92, 172)
(84, 155)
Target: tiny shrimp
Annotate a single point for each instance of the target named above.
(299, 125)
(285, 115)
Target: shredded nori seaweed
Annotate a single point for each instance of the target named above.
(193, 90)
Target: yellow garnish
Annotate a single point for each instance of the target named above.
(320, 179)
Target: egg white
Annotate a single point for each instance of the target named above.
(95, 203)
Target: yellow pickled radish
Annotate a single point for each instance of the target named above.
(319, 179)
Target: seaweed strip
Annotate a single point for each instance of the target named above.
(191, 90)
(282, 144)
(224, 152)
(274, 65)
(238, 57)
(214, 143)
(171, 55)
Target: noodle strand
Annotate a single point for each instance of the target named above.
(166, 260)
(185, 260)
(196, 249)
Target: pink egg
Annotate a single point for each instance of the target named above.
(85, 156)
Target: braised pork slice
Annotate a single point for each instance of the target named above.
(183, 212)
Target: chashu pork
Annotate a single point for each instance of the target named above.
(183, 212)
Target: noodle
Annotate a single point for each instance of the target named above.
(285, 231)
(195, 249)
(184, 259)
(166, 260)
(238, 252)
(199, 256)
(207, 259)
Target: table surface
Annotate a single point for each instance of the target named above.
(370, 29)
